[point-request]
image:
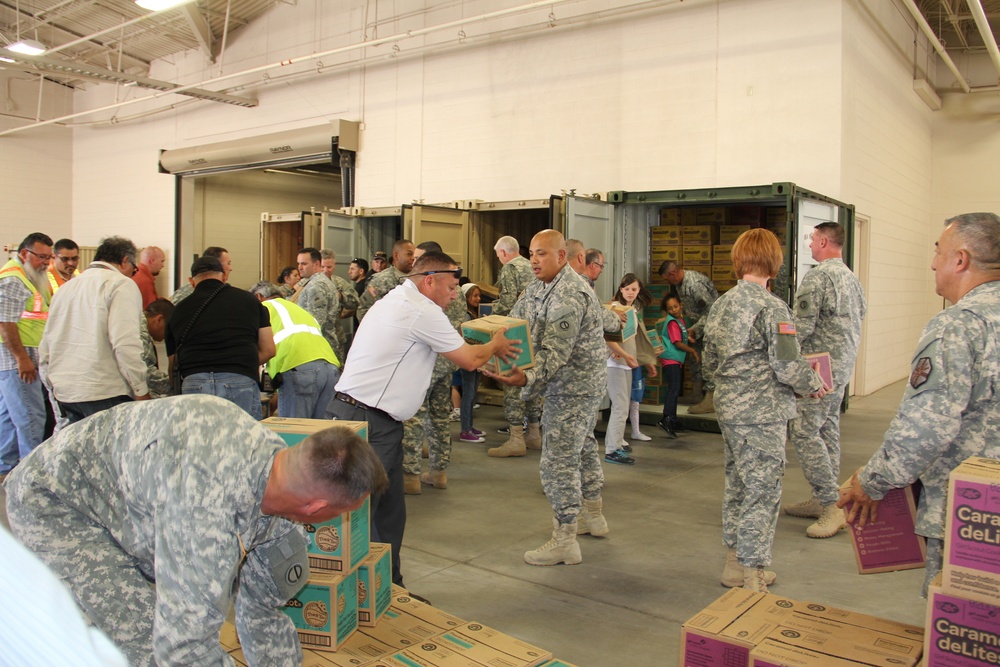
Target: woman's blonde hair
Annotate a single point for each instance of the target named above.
(757, 252)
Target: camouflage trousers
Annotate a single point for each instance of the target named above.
(339, 342)
(755, 463)
(432, 420)
(815, 434)
(934, 562)
(110, 586)
(695, 366)
(515, 409)
(570, 465)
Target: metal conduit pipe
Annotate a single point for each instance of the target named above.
(936, 43)
(976, 7)
(399, 37)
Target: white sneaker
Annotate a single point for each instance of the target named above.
(456, 415)
(642, 437)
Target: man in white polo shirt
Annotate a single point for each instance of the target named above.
(388, 370)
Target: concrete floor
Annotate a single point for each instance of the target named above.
(659, 565)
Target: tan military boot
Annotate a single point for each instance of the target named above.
(411, 484)
(755, 579)
(436, 478)
(732, 574)
(807, 509)
(562, 548)
(533, 436)
(707, 405)
(591, 520)
(830, 522)
(513, 447)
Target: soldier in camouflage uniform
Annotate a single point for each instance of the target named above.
(346, 294)
(192, 494)
(319, 298)
(382, 282)
(153, 326)
(697, 294)
(565, 319)
(950, 410)
(432, 420)
(829, 306)
(752, 355)
(221, 254)
(515, 275)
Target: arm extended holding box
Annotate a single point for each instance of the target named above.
(471, 357)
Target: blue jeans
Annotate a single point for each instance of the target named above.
(307, 389)
(74, 412)
(234, 387)
(470, 384)
(22, 418)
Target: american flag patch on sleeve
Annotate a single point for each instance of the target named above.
(786, 328)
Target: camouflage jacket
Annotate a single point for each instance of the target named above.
(567, 337)
(514, 277)
(829, 307)
(158, 381)
(379, 285)
(950, 410)
(347, 294)
(183, 292)
(177, 483)
(456, 315)
(319, 297)
(752, 354)
(697, 294)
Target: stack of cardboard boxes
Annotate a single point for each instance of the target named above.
(963, 602)
(747, 629)
(350, 614)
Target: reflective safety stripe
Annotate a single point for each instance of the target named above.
(288, 327)
(37, 313)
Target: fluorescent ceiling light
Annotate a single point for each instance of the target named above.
(160, 5)
(28, 47)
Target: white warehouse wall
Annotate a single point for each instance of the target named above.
(699, 94)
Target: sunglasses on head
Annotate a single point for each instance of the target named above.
(455, 272)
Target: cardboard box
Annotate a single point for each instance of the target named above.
(713, 215)
(490, 647)
(557, 663)
(770, 653)
(670, 216)
(889, 544)
(665, 253)
(723, 273)
(821, 363)
(293, 430)
(325, 611)
(652, 395)
(723, 286)
(729, 233)
(658, 292)
(629, 327)
(722, 254)
(664, 236)
(391, 634)
(652, 312)
(478, 332)
(228, 637)
(972, 531)
(689, 216)
(432, 653)
(404, 603)
(696, 256)
(654, 339)
(342, 543)
(702, 644)
(699, 235)
(746, 215)
(359, 649)
(774, 215)
(374, 584)
(960, 632)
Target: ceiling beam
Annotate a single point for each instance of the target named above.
(202, 31)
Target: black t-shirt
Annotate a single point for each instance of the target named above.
(224, 337)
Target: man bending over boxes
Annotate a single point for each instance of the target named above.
(564, 315)
(950, 410)
(193, 495)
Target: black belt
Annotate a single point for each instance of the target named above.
(350, 400)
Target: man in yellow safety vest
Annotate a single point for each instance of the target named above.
(24, 309)
(65, 263)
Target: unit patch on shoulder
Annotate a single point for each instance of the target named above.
(564, 325)
(921, 371)
(786, 328)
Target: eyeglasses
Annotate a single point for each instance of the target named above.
(44, 258)
(600, 266)
(455, 272)
(68, 260)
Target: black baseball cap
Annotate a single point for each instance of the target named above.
(380, 254)
(206, 265)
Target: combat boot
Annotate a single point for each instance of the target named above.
(562, 548)
(533, 436)
(830, 522)
(807, 509)
(755, 579)
(513, 447)
(436, 478)
(707, 405)
(591, 520)
(411, 484)
(732, 574)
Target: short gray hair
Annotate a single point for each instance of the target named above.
(980, 233)
(326, 253)
(508, 244)
(265, 289)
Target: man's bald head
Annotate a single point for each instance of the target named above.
(548, 254)
(576, 255)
